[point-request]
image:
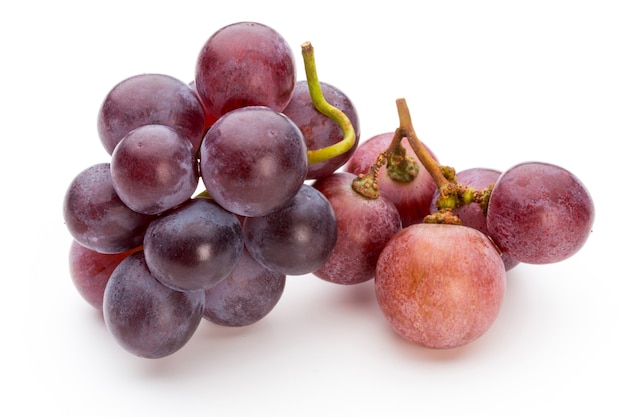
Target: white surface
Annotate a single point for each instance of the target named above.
(488, 84)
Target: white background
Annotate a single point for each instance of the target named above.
(489, 83)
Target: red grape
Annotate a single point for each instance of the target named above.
(440, 286)
(539, 213)
(245, 64)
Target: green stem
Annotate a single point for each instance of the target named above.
(328, 110)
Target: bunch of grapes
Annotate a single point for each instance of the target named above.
(219, 189)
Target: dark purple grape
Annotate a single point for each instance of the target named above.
(97, 218)
(412, 199)
(150, 99)
(364, 228)
(539, 213)
(472, 215)
(253, 160)
(246, 296)
(194, 246)
(245, 64)
(154, 169)
(295, 239)
(320, 131)
(146, 317)
(90, 271)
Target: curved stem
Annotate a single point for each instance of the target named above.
(328, 110)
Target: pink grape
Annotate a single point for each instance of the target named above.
(245, 64)
(154, 169)
(320, 131)
(146, 317)
(440, 286)
(364, 226)
(253, 160)
(147, 99)
(412, 199)
(539, 213)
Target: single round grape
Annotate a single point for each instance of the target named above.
(364, 226)
(440, 286)
(412, 199)
(90, 271)
(194, 246)
(539, 213)
(321, 131)
(245, 64)
(253, 160)
(146, 317)
(295, 239)
(150, 99)
(472, 215)
(246, 296)
(97, 218)
(154, 169)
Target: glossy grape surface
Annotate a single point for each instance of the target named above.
(440, 286)
(97, 218)
(295, 239)
(90, 271)
(412, 199)
(150, 99)
(194, 246)
(246, 296)
(320, 131)
(364, 226)
(245, 64)
(144, 316)
(154, 169)
(253, 160)
(540, 213)
(472, 215)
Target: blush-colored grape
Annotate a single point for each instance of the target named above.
(440, 286)
(364, 226)
(539, 213)
(412, 199)
(245, 64)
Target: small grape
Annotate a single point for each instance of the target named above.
(154, 169)
(253, 160)
(245, 64)
(539, 213)
(193, 246)
(440, 286)
(96, 216)
(295, 239)
(147, 99)
(146, 317)
(364, 226)
(246, 296)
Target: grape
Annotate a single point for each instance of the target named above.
(412, 199)
(97, 218)
(154, 169)
(150, 99)
(146, 317)
(90, 271)
(320, 131)
(249, 293)
(253, 160)
(295, 239)
(245, 64)
(364, 226)
(194, 246)
(440, 286)
(539, 213)
(472, 215)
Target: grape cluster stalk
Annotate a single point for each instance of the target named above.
(221, 189)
